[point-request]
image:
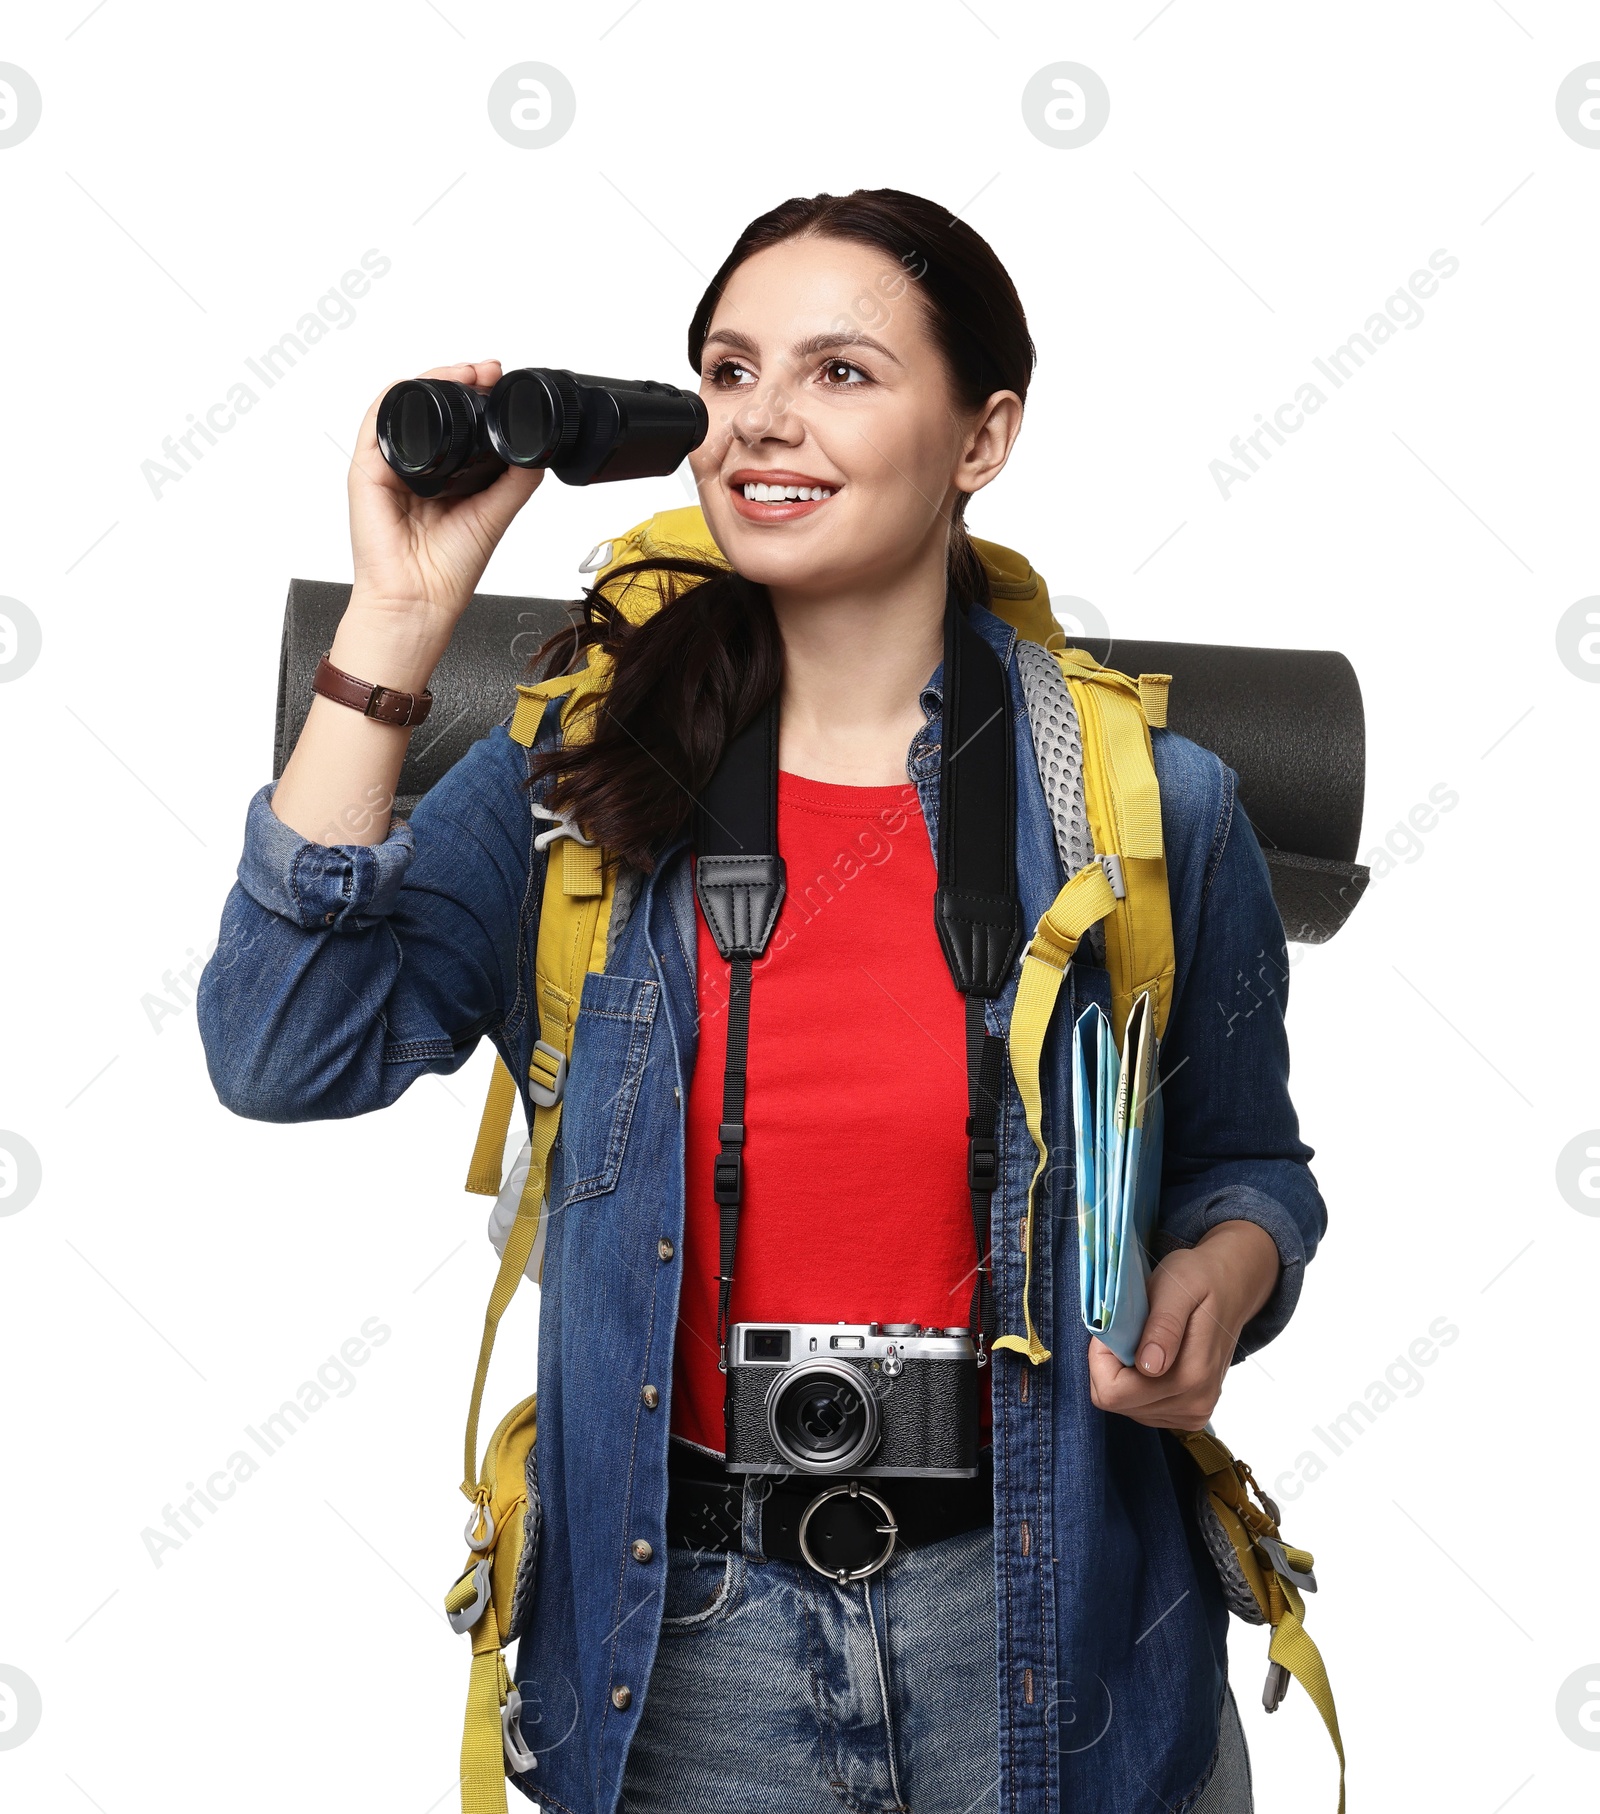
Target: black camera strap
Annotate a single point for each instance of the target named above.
(739, 882)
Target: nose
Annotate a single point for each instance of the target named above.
(768, 415)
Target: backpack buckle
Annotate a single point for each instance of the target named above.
(518, 1753)
(1304, 1579)
(463, 1621)
(562, 827)
(481, 1516)
(547, 1087)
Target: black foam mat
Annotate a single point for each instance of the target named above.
(1289, 722)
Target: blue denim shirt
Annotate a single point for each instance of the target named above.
(344, 973)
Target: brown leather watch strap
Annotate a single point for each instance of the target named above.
(387, 704)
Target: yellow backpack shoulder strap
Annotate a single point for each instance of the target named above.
(1275, 1573)
(580, 874)
(574, 920)
(1126, 888)
(1123, 801)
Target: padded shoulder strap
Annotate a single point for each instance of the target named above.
(1125, 887)
(1124, 806)
(574, 917)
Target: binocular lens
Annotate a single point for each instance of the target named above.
(446, 440)
(420, 430)
(533, 417)
(431, 431)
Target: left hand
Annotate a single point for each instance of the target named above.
(1200, 1298)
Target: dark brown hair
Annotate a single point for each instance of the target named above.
(694, 673)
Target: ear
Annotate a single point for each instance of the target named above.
(988, 442)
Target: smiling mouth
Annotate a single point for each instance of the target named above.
(780, 498)
(778, 494)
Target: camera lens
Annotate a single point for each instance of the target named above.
(822, 1418)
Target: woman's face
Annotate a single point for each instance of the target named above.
(819, 373)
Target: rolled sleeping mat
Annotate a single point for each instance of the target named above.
(472, 686)
(1287, 721)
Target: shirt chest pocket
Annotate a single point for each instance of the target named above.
(609, 1046)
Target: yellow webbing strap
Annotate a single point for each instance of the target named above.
(1085, 899)
(483, 1756)
(484, 1174)
(1228, 1482)
(1153, 697)
(1292, 1647)
(580, 868)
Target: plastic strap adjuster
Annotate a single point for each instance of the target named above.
(727, 1177)
(561, 827)
(482, 1584)
(1304, 1579)
(547, 1094)
(983, 1163)
(518, 1754)
(1112, 865)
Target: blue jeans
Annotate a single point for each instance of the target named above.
(776, 1691)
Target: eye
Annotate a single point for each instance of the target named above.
(835, 366)
(718, 374)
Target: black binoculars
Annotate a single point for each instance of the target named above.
(447, 440)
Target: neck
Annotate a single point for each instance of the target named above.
(855, 663)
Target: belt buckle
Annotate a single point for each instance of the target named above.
(889, 1528)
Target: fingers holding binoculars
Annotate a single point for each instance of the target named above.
(428, 546)
(481, 374)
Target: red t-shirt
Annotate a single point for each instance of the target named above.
(855, 1203)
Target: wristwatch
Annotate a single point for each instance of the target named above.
(387, 704)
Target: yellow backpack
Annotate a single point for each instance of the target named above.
(1262, 1577)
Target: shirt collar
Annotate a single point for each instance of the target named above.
(994, 630)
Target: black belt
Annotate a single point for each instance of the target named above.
(848, 1527)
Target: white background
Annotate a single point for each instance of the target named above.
(1268, 177)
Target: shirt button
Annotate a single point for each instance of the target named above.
(664, 1248)
(621, 1696)
(642, 1551)
(328, 919)
(651, 1397)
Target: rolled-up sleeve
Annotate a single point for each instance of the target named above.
(346, 886)
(343, 972)
(1233, 1150)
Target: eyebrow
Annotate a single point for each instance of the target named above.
(803, 349)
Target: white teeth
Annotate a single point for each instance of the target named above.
(781, 494)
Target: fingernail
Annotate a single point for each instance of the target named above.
(1153, 1359)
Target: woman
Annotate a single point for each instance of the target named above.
(1054, 1639)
